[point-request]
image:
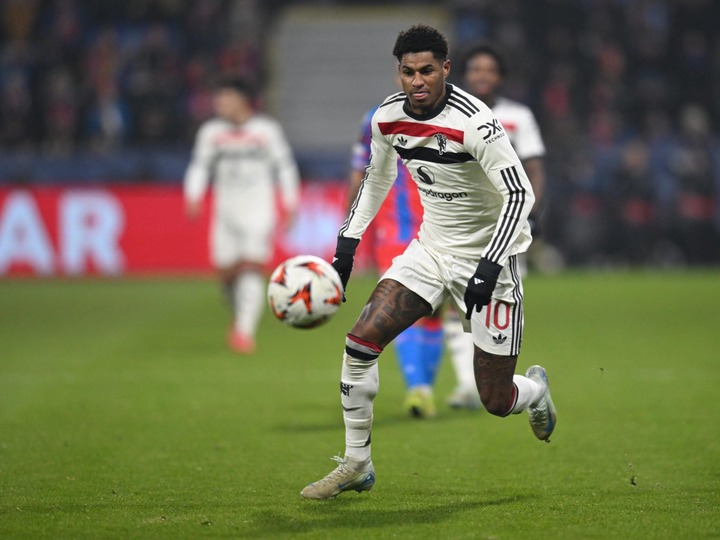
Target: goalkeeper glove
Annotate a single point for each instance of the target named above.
(343, 259)
(481, 286)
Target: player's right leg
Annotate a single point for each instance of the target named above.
(503, 392)
(497, 335)
(392, 308)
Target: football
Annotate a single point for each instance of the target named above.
(304, 291)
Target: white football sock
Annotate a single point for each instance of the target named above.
(528, 392)
(462, 351)
(359, 385)
(249, 302)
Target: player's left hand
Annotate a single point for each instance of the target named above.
(481, 286)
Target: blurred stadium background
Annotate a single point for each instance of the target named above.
(99, 103)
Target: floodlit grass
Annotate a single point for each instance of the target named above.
(122, 415)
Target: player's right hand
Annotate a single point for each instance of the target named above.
(344, 258)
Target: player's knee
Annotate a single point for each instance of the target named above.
(495, 403)
(495, 407)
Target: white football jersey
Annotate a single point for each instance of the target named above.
(521, 127)
(475, 193)
(244, 162)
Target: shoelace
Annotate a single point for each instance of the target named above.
(339, 471)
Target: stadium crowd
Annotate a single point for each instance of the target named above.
(626, 94)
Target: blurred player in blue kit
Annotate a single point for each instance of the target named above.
(476, 199)
(420, 347)
(246, 154)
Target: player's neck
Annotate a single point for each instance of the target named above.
(241, 119)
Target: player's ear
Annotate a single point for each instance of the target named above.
(446, 68)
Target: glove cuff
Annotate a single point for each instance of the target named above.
(346, 246)
(488, 269)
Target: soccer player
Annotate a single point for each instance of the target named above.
(419, 348)
(246, 154)
(477, 199)
(483, 72)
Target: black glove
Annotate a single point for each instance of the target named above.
(343, 259)
(481, 286)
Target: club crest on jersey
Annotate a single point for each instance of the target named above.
(492, 131)
(442, 143)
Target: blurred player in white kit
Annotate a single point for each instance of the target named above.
(483, 72)
(246, 154)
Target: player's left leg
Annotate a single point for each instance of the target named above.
(391, 309)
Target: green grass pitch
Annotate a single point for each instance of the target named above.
(122, 415)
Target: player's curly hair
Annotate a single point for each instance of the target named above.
(421, 38)
(487, 49)
(240, 84)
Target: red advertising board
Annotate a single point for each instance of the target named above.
(118, 230)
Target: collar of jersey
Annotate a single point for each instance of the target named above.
(435, 111)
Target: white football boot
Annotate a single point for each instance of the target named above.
(349, 474)
(542, 415)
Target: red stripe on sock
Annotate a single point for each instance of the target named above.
(513, 400)
(364, 343)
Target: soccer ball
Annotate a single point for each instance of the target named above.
(304, 291)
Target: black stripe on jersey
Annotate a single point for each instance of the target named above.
(518, 308)
(470, 105)
(395, 98)
(462, 104)
(460, 107)
(511, 219)
(432, 155)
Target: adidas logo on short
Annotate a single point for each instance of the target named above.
(499, 339)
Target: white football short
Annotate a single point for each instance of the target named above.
(233, 241)
(436, 276)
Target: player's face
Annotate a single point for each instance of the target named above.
(482, 76)
(423, 80)
(231, 105)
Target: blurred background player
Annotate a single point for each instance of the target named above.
(245, 153)
(419, 348)
(483, 72)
